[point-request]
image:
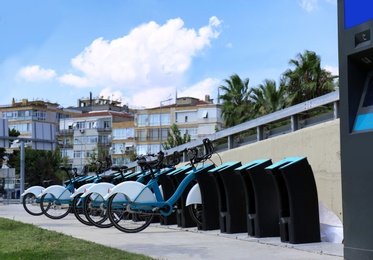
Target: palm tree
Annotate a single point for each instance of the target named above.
(236, 106)
(307, 80)
(267, 98)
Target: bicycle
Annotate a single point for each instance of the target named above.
(115, 175)
(95, 207)
(132, 205)
(55, 201)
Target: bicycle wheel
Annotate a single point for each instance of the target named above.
(195, 211)
(78, 209)
(125, 220)
(95, 211)
(53, 208)
(31, 204)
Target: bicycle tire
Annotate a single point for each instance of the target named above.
(195, 211)
(95, 211)
(52, 208)
(31, 204)
(78, 209)
(125, 221)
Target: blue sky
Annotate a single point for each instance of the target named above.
(144, 51)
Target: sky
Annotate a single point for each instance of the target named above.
(144, 52)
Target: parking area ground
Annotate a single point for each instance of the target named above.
(172, 242)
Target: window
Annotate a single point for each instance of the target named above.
(119, 148)
(154, 134)
(154, 119)
(91, 124)
(78, 154)
(192, 131)
(142, 149)
(123, 133)
(205, 114)
(164, 133)
(142, 120)
(80, 125)
(141, 135)
(186, 116)
(165, 119)
(107, 124)
(22, 128)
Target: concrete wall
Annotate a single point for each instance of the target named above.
(319, 143)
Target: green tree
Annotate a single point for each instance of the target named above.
(236, 106)
(307, 80)
(174, 138)
(41, 166)
(101, 154)
(267, 98)
(13, 133)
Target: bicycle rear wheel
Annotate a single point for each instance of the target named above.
(125, 220)
(195, 211)
(31, 204)
(53, 208)
(95, 210)
(78, 208)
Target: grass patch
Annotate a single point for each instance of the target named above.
(25, 241)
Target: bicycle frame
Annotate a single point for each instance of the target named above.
(140, 197)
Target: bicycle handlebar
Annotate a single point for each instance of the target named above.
(209, 150)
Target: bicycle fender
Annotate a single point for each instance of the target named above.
(194, 196)
(81, 189)
(57, 191)
(36, 190)
(101, 188)
(135, 191)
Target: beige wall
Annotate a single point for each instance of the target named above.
(319, 143)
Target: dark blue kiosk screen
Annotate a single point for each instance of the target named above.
(357, 12)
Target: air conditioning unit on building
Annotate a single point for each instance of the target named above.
(81, 131)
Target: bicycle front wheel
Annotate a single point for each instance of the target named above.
(31, 204)
(125, 220)
(78, 208)
(54, 208)
(95, 210)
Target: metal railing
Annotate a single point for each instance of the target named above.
(260, 128)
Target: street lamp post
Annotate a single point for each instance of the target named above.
(160, 122)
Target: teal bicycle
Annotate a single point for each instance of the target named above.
(132, 205)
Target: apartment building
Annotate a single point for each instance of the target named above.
(90, 135)
(194, 117)
(123, 142)
(22, 114)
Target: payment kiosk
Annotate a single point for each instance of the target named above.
(355, 26)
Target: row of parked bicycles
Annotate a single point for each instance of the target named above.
(117, 197)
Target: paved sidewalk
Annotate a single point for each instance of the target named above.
(171, 242)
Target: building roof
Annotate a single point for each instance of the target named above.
(105, 113)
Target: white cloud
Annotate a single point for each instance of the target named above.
(333, 70)
(150, 55)
(308, 5)
(311, 5)
(199, 90)
(35, 73)
(70, 79)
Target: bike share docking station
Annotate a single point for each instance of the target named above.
(355, 25)
(172, 180)
(297, 200)
(231, 196)
(209, 194)
(261, 199)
